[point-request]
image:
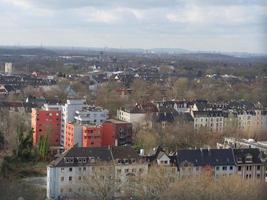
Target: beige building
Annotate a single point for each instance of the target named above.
(252, 121)
(212, 121)
(8, 68)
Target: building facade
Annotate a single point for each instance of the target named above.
(68, 114)
(78, 169)
(46, 122)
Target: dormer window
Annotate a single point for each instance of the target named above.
(92, 159)
(248, 159)
(69, 160)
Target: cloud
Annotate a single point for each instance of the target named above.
(224, 15)
(134, 21)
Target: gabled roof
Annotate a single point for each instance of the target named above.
(204, 157)
(101, 154)
(98, 154)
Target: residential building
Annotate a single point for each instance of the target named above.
(252, 120)
(91, 115)
(116, 132)
(210, 120)
(92, 136)
(217, 162)
(139, 115)
(73, 135)
(68, 115)
(46, 122)
(75, 170)
(250, 164)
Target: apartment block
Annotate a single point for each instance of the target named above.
(46, 122)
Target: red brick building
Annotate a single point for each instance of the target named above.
(46, 122)
(116, 133)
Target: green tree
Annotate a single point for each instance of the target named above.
(43, 147)
(25, 144)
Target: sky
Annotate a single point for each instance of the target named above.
(205, 25)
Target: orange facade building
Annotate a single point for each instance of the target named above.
(92, 135)
(46, 122)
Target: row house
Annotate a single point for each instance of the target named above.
(211, 120)
(76, 171)
(218, 162)
(253, 120)
(248, 163)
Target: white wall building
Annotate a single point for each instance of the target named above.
(68, 114)
(91, 115)
(136, 118)
(72, 174)
(211, 120)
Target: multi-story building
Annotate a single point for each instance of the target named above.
(250, 164)
(73, 135)
(136, 117)
(211, 120)
(92, 136)
(91, 115)
(110, 133)
(116, 132)
(78, 169)
(86, 128)
(252, 121)
(47, 122)
(68, 114)
(217, 162)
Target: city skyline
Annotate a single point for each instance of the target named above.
(207, 26)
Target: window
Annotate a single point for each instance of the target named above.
(84, 168)
(70, 169)
(224, 168)
(62, 169)
(258, 167)
(118, 171)
(70, 178)
(61, 190)
(217, 168)
(62, 179)
(231, 167)
(126, 170)
(80, 178)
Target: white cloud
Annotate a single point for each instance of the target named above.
(24, 4)
(226, 15)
